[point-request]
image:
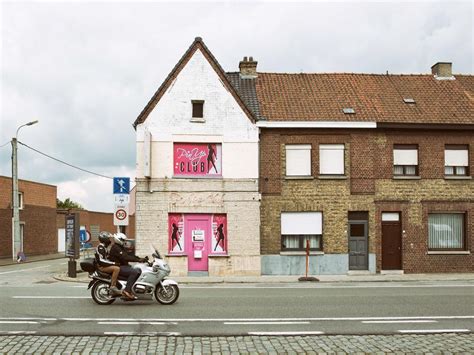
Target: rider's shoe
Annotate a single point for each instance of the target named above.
(129, 295)
(114, 291)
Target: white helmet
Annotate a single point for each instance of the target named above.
(120, 238)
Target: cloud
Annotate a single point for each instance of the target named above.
(86, 70)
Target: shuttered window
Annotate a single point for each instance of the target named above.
(446, 231)
(405, 160)
(298, 227)
(456, 160)
(298, 160)
(331, 159)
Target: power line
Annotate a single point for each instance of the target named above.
(1, 146)
(63, 162)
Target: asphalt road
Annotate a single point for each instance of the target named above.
(34, 303)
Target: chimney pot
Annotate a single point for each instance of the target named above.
(442, 70)
(248, 68)
(198, 39)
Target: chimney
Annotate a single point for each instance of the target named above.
(442, 70)
(248, 68)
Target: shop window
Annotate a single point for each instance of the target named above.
(405, 160)
(331, 159)
(219, 234)
(299, 227)
(198, 108)
(456, 160)
(446, 231)
(298, 160)
(176, 233)
(197, 160)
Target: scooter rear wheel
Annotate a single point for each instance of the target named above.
(167, 294)
(100, 293)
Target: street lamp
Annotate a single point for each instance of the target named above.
(16, 240)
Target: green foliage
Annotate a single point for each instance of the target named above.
(68, 203)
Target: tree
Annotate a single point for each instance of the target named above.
(68, 203)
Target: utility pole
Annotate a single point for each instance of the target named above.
(16, 238)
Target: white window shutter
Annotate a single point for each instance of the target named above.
(301, 223)
(331, 159)
(454, 157)
(405, 157)
(298, 160)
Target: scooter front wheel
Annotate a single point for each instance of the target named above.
(100, 293)
(167, 294)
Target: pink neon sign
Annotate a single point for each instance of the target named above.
(197, 159)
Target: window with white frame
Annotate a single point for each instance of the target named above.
(446, 231)
(331, 159)
(20, 200)
(456, 160)
(405, 160)
(298, 160)
(299, 227)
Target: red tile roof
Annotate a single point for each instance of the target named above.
(379, 98)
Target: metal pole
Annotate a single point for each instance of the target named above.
(16, 245)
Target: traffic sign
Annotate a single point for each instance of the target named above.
(121, 215)
(121, 185)
(121, 199)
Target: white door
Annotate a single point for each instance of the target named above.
(61, 240)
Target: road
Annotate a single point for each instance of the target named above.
(34, 303)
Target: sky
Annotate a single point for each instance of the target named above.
(85, 70)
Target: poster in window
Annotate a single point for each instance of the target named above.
(219, 231)
(197, 159)
(176, 233)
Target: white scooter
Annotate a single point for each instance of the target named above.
(152, 281)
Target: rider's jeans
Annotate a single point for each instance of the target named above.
(131, 274)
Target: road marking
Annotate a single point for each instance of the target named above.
(286, 333)
(434, 331)
(17, 332)
(292, 286)
(24, 318)
(17, 322)
(49, 297)
(132, 323)
(144, 333)
(252, 323)
(399, 321)
(23, 270)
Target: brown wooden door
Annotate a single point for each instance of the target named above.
(391, 245)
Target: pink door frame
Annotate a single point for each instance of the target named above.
(197, 222)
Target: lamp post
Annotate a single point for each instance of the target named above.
(16, 240)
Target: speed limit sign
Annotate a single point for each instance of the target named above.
(121, 215)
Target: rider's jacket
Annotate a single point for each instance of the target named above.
(101, 256)
(119, 255)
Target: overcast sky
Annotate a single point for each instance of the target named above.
(86, 70)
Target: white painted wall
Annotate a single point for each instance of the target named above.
(225, 122)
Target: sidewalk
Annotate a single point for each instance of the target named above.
(30, 259)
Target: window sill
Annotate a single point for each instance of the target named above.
(309, 177)
(449, 252)
(332, 177)
(198, 120)
(218, 256)
(301, 253)
(407, 178)
(451, 177)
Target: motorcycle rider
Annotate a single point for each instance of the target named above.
(104, 264)
(119, 255)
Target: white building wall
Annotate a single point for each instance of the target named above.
(235, 194)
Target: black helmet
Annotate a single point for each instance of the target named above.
(104, 237)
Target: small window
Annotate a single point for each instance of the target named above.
(456, 160)
(299, 227)
(348, 111)
(20, 200)
(331, 159)
(405, 160)
(198, 108)
(409, 100)
(298, 160)
(446, 231)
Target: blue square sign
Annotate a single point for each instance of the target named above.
(121, 185)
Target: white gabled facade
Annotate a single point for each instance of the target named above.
(182, 214)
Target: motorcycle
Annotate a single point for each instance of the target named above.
(151, 282)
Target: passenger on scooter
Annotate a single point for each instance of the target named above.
(119, 255)
(103, 262)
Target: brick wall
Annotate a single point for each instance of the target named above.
(369, 187)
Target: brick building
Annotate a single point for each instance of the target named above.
(37, 217)
(373, 171)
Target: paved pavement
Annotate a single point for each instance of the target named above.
(373, 344)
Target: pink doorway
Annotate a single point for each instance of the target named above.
(197, 240)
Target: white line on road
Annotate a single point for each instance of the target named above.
(321, 286)
(253, 323)
(399, 321)
(22, 270)
(132, 323)
(30, 318)
(145, 333)
(286, 333)
(49, 297)
(18, 332)
(434, 331)
(17, 322)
